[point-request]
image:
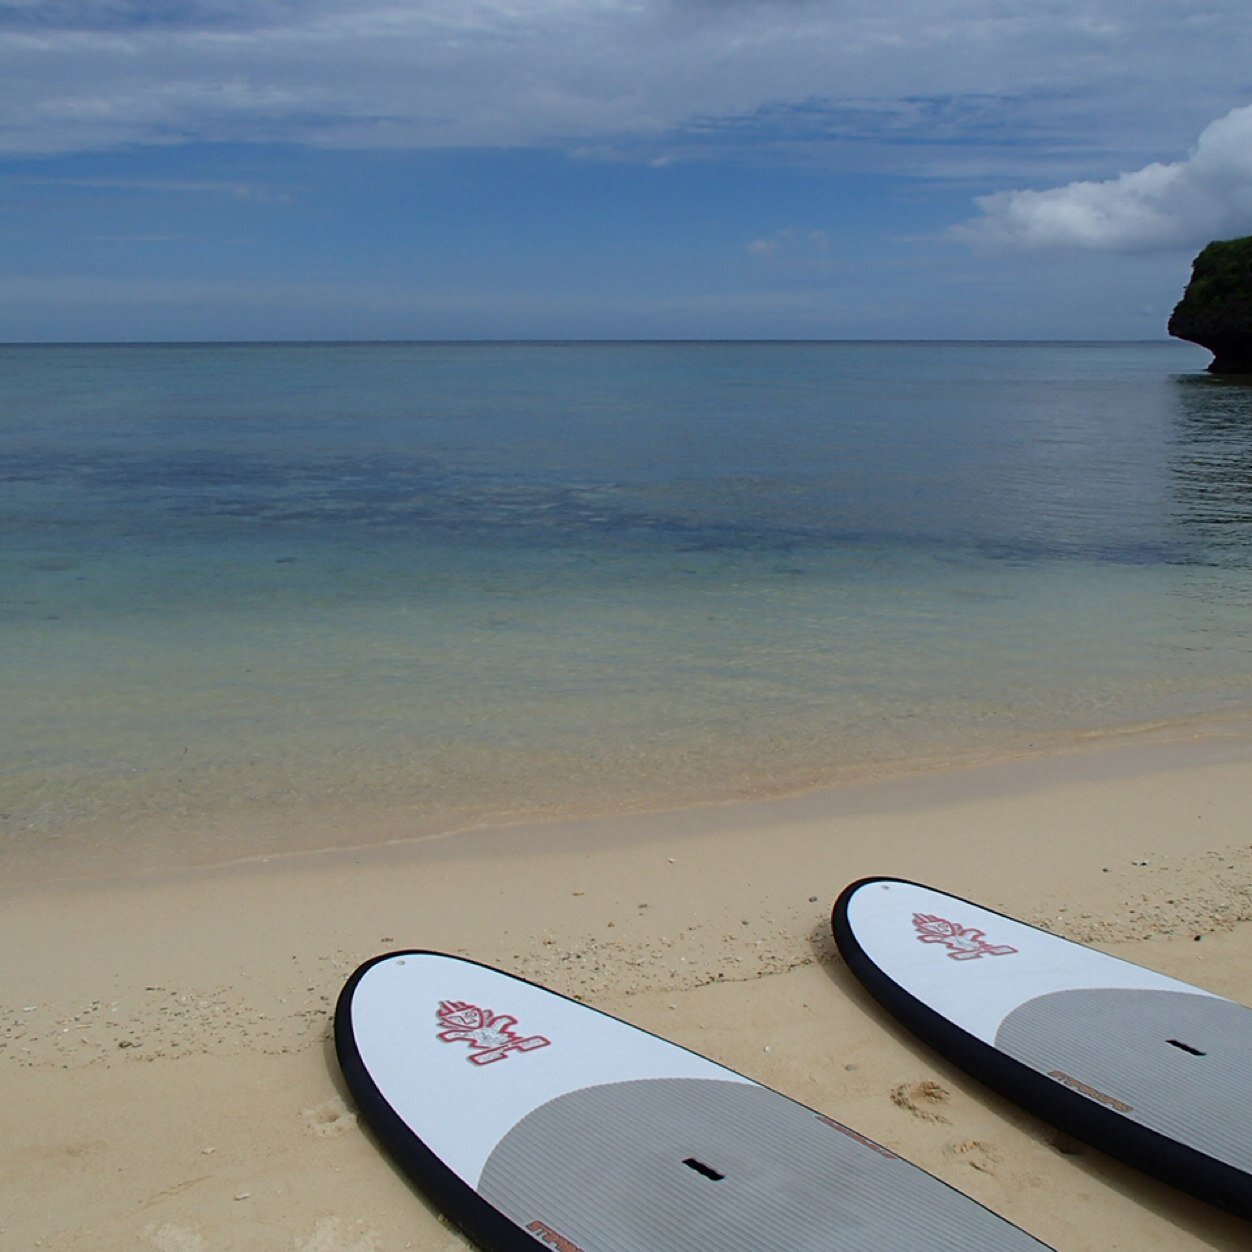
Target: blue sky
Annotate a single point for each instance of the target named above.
(307, 169)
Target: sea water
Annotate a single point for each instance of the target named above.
(477, 581)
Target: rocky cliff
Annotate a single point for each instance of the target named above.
(1216, 310)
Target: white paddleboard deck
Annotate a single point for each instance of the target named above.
(534, 1121)
(1149, 1068)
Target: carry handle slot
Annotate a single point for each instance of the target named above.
(1185, 1047)
(701, 1168)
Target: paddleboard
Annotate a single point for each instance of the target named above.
(1149, 1069)
(531, 1120)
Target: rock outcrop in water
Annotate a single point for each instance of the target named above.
(1216, 309)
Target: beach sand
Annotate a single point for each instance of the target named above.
(169, 1082)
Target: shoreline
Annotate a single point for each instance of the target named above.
(179, 841)
(166, 1034)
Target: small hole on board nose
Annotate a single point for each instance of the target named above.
(701, 1168)
(1185, 1047)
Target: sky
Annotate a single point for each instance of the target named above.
(465, 169)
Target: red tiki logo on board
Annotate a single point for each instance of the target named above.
(490, 1036)
(964, 943)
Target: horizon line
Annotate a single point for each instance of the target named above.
(555, 341)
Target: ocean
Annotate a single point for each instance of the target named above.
(472, 583)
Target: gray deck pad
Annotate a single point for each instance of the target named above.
(1165, 1059)
(696, 1165)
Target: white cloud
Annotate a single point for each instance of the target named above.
(679, 75)
(792, 248)
(1161, 206)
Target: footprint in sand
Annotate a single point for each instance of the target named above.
(922, 1099)
(974, 1153)
(330, 1118)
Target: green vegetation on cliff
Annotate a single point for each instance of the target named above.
(1216, 310)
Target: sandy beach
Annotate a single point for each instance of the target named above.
(169, 1082)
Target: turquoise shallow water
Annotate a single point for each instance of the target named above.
(469, 581)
